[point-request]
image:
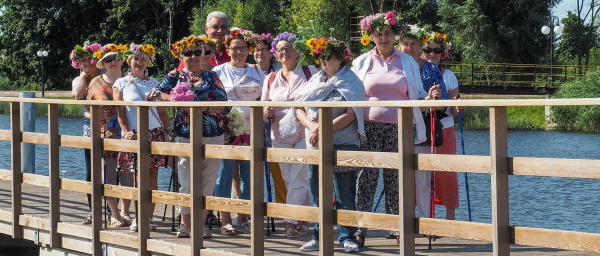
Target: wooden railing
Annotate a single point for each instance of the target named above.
(498, 164)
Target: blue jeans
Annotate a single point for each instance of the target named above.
(344, 190)
(223, 186)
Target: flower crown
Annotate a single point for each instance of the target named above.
(322, 48)
(376, 22)
(442, 40)
(418, 33)
(98, 54)
(135, 49)
(265, 38)
(285, 36)
(246, 35)
(191, 41)
(78, 52)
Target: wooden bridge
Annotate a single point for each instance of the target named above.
(46, 209)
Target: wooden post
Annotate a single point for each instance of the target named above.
(196, 159)
(97, 169)
(53, 173)
(499, 155)
(325, 181)
(257, 181)
(17, 176)
(143, 180)
(406, 182)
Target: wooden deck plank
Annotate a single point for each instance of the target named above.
(74, 208)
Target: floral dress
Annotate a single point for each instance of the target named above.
(207, 87)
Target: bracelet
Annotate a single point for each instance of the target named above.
(169, 128)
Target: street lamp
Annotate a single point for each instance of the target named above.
(557, 31)
(42, 54)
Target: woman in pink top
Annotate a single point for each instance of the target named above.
(284, 85)
(388, 75)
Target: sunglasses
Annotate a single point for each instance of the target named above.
(196, 53)
(434, 50)
(110, 59)
(286, 49)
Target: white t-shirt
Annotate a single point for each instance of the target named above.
(241, 84)
(129, 93)
(451, 83)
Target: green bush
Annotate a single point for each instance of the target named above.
(579, 118)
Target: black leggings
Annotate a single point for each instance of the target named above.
(88, 173)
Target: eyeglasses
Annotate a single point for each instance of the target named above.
(110, 59)
(286, 49)
(263, 50)
(194, 53)
(239, 49)
(434, 50)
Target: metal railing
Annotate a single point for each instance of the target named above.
(89, 240)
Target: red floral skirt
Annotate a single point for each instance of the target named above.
(126, 160)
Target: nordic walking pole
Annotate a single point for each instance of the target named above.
(169, 189)
(432, 119)
(104, 126)
(378, 200)
(462, 144)
(267, 133)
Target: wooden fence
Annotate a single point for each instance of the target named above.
(498, 165)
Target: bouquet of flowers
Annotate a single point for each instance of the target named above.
(183, 92)
(237, 130)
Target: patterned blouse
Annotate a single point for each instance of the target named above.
(431, 74)
(207, 87)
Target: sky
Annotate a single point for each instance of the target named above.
(566, 5)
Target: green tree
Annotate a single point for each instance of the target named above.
(572, 48)
(229, 7)
(258, 16)
(496, 31)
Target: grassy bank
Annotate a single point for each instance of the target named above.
(42, 109)
(519, 118)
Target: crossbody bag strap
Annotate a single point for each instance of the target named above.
(151, 108)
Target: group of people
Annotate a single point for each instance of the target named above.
(214, 67)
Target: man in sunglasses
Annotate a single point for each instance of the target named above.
(216, 27)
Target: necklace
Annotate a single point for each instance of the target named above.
(104, 80)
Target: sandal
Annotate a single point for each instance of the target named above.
(127, 220)
(206, 234)
(245, 228)
(183, 232)
(227, 230)
(290, 231)
(87, 220)
(302, 230)
(115, 223)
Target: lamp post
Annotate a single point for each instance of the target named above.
(557, 31)
(42, 54)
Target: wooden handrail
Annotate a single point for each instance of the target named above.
(498, 164)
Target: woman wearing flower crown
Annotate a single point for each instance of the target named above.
(335, 82)
(242, 82)
(262, 53)
(387, 75)
(284, 85)
(100, 88)
(82, 58)
(446, 183)
(193, 83)
(135, 87)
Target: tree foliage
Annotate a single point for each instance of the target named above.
(496, 31)
(579, 118)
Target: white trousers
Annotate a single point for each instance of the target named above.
(423, 186)
(210, 170)
(295, 177)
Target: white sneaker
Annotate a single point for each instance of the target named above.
(133, 226)
(311, 246)
(350, 246)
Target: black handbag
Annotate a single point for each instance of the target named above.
(439, 135)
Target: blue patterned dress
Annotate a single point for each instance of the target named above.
(431, 74)
(207, 87)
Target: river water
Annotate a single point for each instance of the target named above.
(542, 202)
